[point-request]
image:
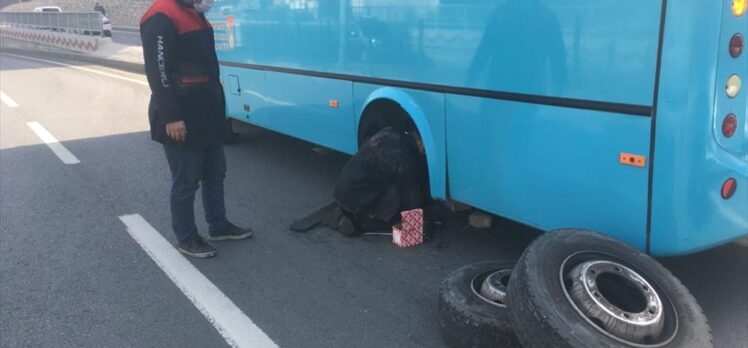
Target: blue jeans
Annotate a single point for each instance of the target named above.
(191, 166)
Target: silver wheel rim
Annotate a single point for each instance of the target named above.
(656, 301)
(628, 320)
(494, 286)
(489, 287)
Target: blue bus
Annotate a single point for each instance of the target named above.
(621, 117)
(532, 110)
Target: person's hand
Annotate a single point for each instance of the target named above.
(177, 131)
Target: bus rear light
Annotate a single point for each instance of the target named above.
(738, 7)
(733, 86)
(728, 188)
(729, 125)
(736, 45)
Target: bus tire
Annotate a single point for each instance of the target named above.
(468, 319)
(230, 136)
(573, 288)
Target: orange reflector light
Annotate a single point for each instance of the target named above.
(729, 188)
(333, 103)
(633, 160)
(738, 7)
(729, 125)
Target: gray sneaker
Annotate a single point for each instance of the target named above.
(196, 247)
(230, 232)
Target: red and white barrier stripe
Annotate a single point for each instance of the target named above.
(70, 41)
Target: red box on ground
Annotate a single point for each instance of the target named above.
(409, 232)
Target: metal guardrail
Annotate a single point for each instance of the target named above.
(80, 23)
(126, 28)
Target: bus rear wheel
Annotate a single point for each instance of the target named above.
(573, 288)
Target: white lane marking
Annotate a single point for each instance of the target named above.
(8, 100)
(66, 156)
(235, 327)
(144, 83)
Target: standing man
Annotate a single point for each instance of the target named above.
(100, 9)
(187, 116)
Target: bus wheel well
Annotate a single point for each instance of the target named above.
(382, 113)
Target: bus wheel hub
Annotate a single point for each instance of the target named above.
(617, 299)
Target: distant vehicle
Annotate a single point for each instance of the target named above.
(48, 9)
(106, 23)
(106, 26)
(53, 9)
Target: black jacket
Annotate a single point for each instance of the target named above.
(388, 158)
(182, 70)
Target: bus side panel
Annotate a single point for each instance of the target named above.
(315, 109)
(550, 167)
(603, 50)
(692, 157)
(246, 95)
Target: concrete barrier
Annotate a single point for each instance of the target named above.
(34, 49)
(77, 43)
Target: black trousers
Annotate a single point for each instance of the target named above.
(381, 214)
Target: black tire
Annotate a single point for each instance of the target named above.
(546, 314)
(467, 320)
(230, 136)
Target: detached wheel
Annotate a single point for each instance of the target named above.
(471, 306)
(573, 288)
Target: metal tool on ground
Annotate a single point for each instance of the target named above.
(325, 216)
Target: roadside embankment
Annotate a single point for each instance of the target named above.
(107, 53)
(125, 13)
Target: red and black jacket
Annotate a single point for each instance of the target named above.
(182, 70)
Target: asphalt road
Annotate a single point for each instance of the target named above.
(126, 37)
(71, 274)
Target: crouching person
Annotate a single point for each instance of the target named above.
(386, 176)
